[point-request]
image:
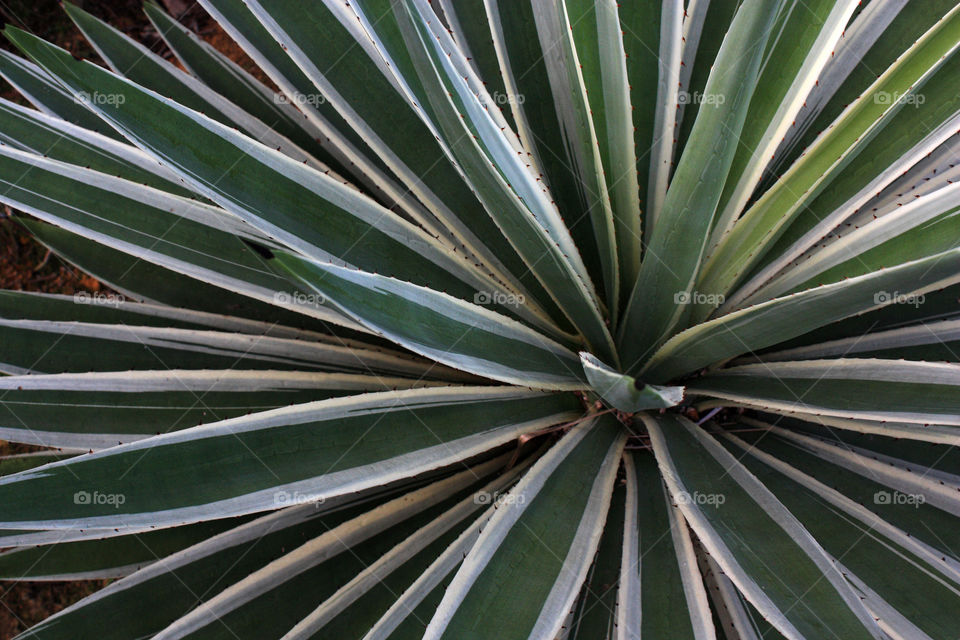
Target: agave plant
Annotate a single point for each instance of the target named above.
(501, 319)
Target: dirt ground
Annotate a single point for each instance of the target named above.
(26, 265)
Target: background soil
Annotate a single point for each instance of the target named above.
(26, 265)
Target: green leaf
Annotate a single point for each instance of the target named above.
(798, 56)
(699, 55)
(132, 60)
(869, 389)
(848, 483)
(464, 336)
(931, 341)
(184, 235)
(758, 543)
(754, 233)
(566, 47)
(883, 34)
(678, 241)
(541, 128)
(107, 558)
(138, 279)
(624, 392)
(23, 461)
(901, 588)
(49, 136)
(242, 465)
(780, 319)
(640, 27)
(381, 113)
(103, 409)
(28, 347)
(600, 49)
(299, 206)
(533, 556)
(927, 225)
(186, 577)
(37, 86)
(595, 614)
(912, 136)
(509, 191)
(230, 80)
(471, 29)
(659, 572)
(339, 565)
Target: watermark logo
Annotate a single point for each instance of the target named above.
(899, 498)
(299, 297)
(287, 499)
(698, 297)
(95, 497)
(895, 297)
(887, 97)
(97, 98)
(712, 99)
(113, 299)
(498, 499)
(502, 98)
(712, 499)
(487, 298)
(299, 99)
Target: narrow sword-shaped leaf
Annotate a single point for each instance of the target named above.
(600, 50)
(181, 234)
(456, 333)
(803, 48)
(698, 62)
(917, 131)
(675, 248)
(28, 348)
(103, 309)
(749, 239)
(313, 35)
(533, 556)
(777, 320)
(517, 203)
(231, 81)
(261, 185)
(471, 29)
(135, 62)
(594, 616)
(254, 602)
(881, 240)
(931, 341)
(187, 576)
(141, 281)
(104, 409)
(559, 34)
(749, 532)
(50, 136)
(915, 600)
(540, 125)
(658, 571)
(923, 530)
(663, 141)
(880, 34)
(37, 86)
(869, 389)
(241, 465)
(392, 534)
(108, 558)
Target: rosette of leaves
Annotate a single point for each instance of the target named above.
(530, 319)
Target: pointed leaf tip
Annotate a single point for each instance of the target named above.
(624, 392)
